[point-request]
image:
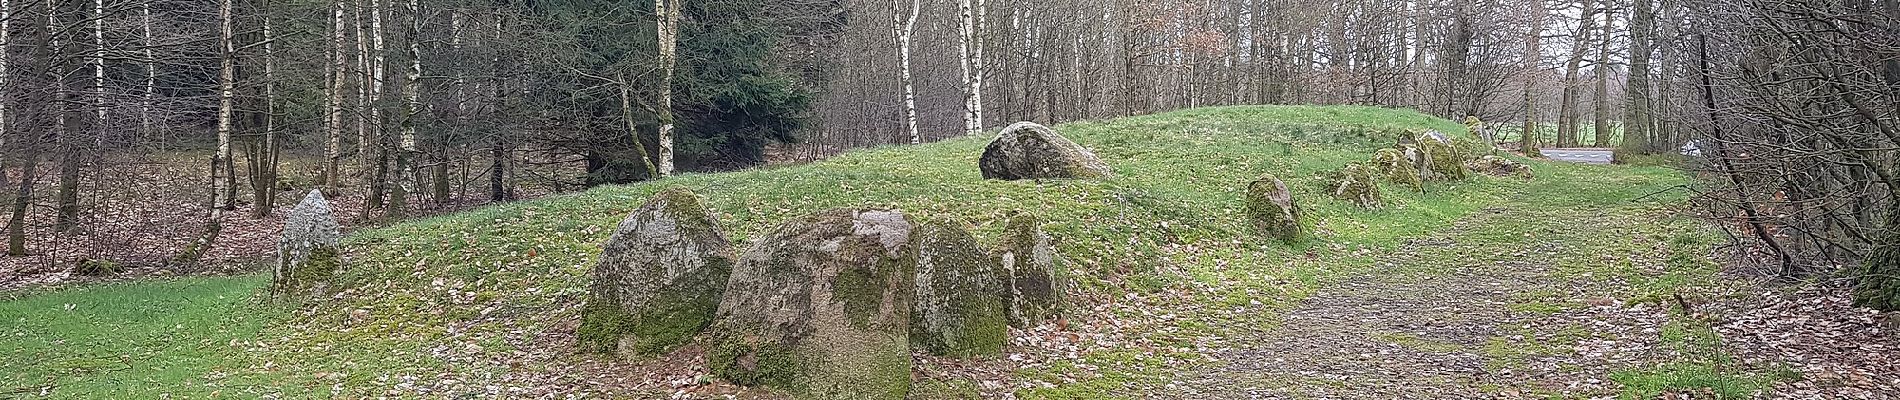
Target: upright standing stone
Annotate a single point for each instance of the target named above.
(821, 306)
(1356, 183)
(659, 279)
(1271, 209)
(1036, 281)
(960, 308)
(1437, 158)
(1030, 151)
(1397, 167)
(307, 251)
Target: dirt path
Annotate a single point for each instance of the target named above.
(1478, 311)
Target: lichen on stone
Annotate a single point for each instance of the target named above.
(659, 278)
(959, 309)
(1035, 279)
(1500, 166)
(307, 253)
(1356, 183)
(1398, 169)
(831, 294)
(1027, 150)
(1271, 209)
(1438, 159)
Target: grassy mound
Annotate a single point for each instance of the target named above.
(493, 295)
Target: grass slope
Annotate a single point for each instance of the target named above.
(468, 297)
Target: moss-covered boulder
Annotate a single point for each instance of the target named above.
(1030, 151)
(1393, 164)
(1500, 166)
(1878, 285)
(1271, 209)
(307, 253)
(659, 278)
(1035, 281)
(98, 267)
(820, 307)
(1356, 183)
(959, 309)
(1438, 160)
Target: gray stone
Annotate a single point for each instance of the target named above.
(820, 306)
(960, 307)
(1030, 151)
(1271, 209)
(659, 279)
(307, 253)
(1036, 282)
(1356, 183)
(1500, 166)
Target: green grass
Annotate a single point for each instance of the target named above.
(128, 340)
(457, 296)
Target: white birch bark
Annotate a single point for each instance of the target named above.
(98, 63)
(902, 28)
(333, 113)
(227, 93)
(669, 20)
(412, 87)
(966, 33)
(149, 97)
(978, 68)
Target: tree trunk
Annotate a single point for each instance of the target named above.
(668, 12)
(1602, 128)
(1533, 60)
(902, 29)
(40, 73)
(67, 199)
(333, 113)
(1569, 111)
(1637, 127)
(227, 97)
(149, 97)
(411, 108)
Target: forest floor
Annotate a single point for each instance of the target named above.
(1587, 281)
(139, 211)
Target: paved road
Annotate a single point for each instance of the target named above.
(1586, 156)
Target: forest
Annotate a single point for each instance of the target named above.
(151, 139)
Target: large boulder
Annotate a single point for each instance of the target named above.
(1271, 209)
(960, 309)
(1500, 166)
(659, 279)
(1438, 159)
(1392, 163)
(1034, 277)
(1356, 183)
(820, 306)
(307, 251)
(1030, 151)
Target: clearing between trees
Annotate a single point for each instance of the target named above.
(1584, 281)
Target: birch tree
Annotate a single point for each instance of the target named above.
(903, 25)
(334, 73)
(411, 108)
(227, 115)
(667, 13)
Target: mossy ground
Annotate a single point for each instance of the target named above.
(462, 296)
